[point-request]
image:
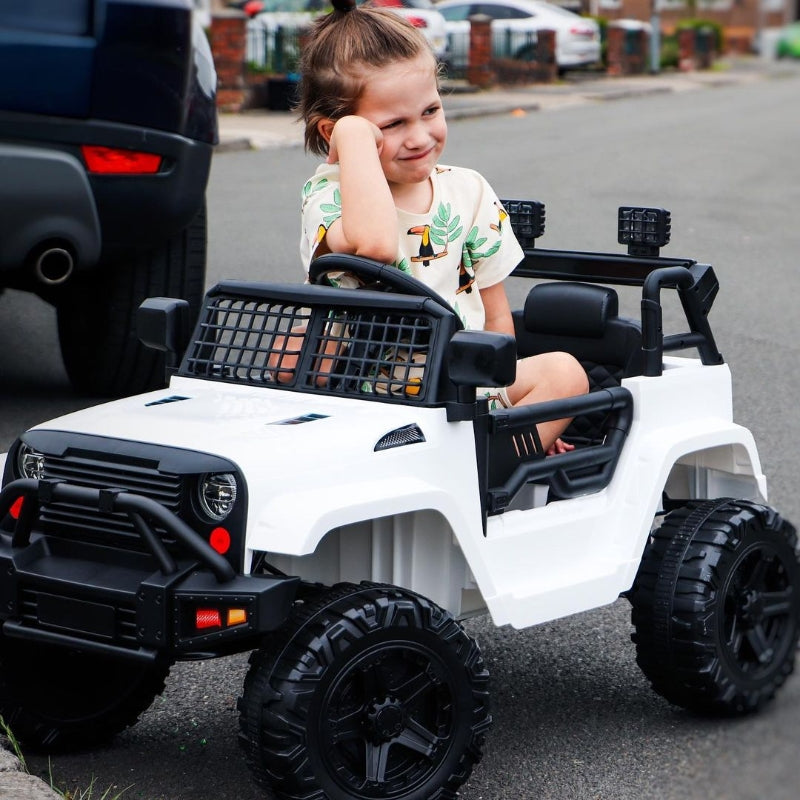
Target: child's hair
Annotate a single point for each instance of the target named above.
(341, 44)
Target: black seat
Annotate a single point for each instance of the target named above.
(581, 319)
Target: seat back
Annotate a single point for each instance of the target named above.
(581, 319)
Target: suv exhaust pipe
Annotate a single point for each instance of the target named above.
(54, 266)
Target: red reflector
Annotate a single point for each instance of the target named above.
(207, 618)
(220, 540)
(115, 161)
(16, 507)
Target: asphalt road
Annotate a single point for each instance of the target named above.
(573, 716)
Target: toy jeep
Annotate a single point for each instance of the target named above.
(339, 517)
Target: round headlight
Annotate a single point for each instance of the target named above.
(30, 463)
(217, 494)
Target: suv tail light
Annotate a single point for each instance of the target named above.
(116, 161)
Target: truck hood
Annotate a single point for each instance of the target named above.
(242, 423)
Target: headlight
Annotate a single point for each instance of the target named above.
(217, 495)
(30, 464)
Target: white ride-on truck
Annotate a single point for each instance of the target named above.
(340, 518)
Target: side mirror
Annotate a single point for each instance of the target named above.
(162, 323)
(482, 358)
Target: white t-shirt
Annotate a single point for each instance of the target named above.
(463, 244)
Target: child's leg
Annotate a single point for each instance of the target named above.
(549, 376)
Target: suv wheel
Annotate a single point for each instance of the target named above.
(60, 699)
(372, 692)
(716, 606)
(97, 313)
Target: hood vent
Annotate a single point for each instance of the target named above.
(173, 398)
(409, 434)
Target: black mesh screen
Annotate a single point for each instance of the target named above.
(341, 350)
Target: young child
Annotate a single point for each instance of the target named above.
(370, 102)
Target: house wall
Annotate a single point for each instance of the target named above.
(740, 19)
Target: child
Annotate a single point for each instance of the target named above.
(370, 102)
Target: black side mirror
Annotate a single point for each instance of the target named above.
(482, 358)
(162, 323)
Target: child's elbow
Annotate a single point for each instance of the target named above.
(384, 252)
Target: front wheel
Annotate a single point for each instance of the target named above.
(60, 699)
(372, 692)
(716, 606)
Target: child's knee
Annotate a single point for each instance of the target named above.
(572, 375)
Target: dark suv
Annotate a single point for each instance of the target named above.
(107, 126)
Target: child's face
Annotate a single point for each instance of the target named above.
(403, 100)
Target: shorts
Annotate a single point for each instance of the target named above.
(497, 397)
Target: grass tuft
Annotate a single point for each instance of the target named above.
(75, 794)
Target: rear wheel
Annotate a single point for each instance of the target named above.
(716, 606)
(97, 312)
(58, 699)
(372, 692)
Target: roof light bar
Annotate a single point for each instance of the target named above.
(644, 230)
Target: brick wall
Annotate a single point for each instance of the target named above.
(227, 38)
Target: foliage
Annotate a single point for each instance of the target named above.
(602, 23)
(76, 794)
(670, 52)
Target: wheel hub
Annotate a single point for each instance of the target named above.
(387, 719)
(752, 607)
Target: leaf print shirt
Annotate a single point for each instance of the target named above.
(462, 245)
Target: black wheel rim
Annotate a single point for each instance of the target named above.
(759, 615)
(387, 720)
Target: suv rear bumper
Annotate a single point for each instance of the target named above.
(52, 196)
(47, 203)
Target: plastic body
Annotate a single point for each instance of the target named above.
(379, 464)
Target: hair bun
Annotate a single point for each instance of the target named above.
(343, 5)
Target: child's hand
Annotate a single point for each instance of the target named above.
(353, 127)
(559, 446)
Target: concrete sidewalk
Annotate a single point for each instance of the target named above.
(259, 129)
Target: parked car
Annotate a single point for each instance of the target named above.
(424, 15)
(788, 44)
(273, 32)
(107, 126)
(515, 24)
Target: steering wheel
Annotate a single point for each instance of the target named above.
(371, 271)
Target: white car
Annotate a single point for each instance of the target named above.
(515, 25)
(424, 15)
(338, 517)
(273, 34)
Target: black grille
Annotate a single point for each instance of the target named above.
(93, 525)
(124, 627)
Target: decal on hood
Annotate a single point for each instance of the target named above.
(300, 420)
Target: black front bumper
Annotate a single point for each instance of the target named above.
(126, 603)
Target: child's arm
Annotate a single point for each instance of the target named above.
(497, 309)
(368, 225)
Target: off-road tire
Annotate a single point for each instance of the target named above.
(57, 699)
(716, 606)
(368, 675)
(100, 348)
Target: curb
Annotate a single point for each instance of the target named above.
(16, 783)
